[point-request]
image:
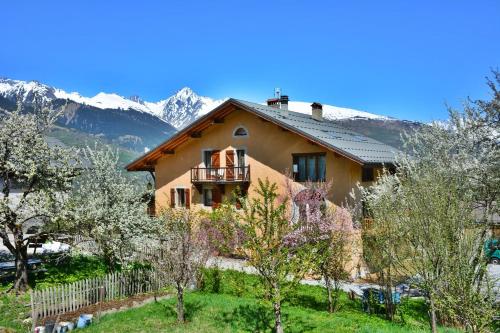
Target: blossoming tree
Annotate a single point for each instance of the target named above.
(35, 178)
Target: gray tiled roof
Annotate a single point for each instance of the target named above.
(330, 134)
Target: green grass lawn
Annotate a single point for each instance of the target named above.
(227, 301)
(207, 312)
(234, 302)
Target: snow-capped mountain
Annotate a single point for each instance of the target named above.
(183, 107)
(178, 110)
(107, 117)
(103, 101)
(26, 91)
(138, 124)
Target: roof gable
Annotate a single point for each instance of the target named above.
(343, 141)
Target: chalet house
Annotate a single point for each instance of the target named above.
(239, 142)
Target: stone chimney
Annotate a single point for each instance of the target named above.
(273, 102)
(284, 103)
(317, 111)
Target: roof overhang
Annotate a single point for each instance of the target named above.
(147, 161)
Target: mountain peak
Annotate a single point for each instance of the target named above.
(185, 93)
(26, 91)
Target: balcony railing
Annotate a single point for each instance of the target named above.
(220, 175)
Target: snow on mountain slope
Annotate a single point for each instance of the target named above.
(184, 107)
(12, 89)
(178, 110)
(103, 101)
(334, 112)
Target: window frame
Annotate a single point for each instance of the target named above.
(205, 190)
(204, 152)
(179, 197)
(236, 157)
(365, 177)
(295, 160)
(246, 135)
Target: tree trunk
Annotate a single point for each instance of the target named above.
(329, 291)
(432, 313)
(277, 317)
(180, 304)
(21, 279)
(336, 293)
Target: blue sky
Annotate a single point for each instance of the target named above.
(400, 58)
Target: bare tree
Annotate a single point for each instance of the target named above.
(183, 250)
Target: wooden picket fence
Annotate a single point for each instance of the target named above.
(73, 296)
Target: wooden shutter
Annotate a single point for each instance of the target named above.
(187, 194)
(230, 164)
(172, 197)
(216, 197)
(215, 158)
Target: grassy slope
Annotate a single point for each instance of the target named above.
(234, 302)
(225, 313)
(228, 301)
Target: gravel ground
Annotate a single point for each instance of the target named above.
(240, 265)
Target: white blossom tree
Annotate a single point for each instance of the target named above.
(438, 207)
(108, 207)
(35, 177)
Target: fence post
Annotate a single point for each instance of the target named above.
(33, 310)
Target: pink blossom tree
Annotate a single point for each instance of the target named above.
(327, 229)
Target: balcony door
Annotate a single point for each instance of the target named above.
(211, 159)
(240, 163)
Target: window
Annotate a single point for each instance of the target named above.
(309, 167)
(240, 131)
(240, 163)
(181, 197)
(207, 197)
(367, 174)
(240, 157)
(207, 158)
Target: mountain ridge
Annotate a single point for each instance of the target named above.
(139, 125)
(179, 109)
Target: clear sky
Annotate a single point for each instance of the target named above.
(400, 58)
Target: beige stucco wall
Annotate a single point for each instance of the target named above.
(269, 152)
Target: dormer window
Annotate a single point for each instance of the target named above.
(240, 132)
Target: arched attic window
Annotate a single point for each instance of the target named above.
(240, 132)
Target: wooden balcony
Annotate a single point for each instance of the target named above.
(226, 175)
